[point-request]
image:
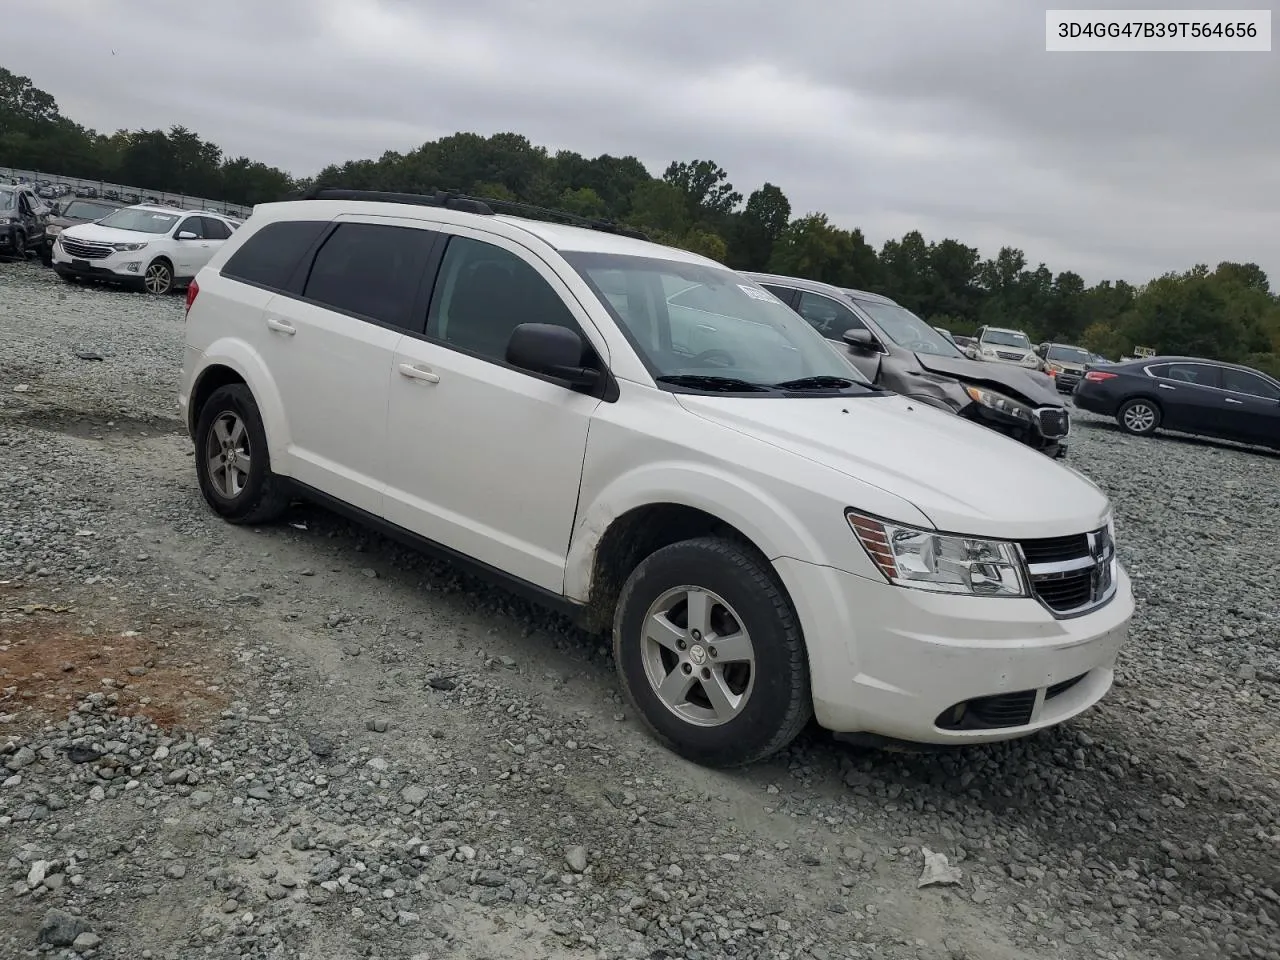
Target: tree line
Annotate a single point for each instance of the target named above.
(1227, 312)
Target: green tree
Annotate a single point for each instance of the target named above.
(705, 186)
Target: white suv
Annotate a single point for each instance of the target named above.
(151, 247)
(998, 345)
(641, 437)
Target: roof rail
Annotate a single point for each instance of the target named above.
(436, 198)
(485, 206)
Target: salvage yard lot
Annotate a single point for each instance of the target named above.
(359, 751)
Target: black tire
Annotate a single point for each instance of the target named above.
(158, 279)
(778, 703)
(18, 250)
(46, 255)
(1139, 416)
(262, 497)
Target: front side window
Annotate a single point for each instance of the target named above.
(483, 292)
(372, 270)
(908, 331)
(829, 317)
(1242, 381)
(1199, 374)
(1007, 338)
(139, 221)
(706, 328)
(8, 200)
(192, 225)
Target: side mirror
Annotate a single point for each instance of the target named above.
(552, 351)
(860, 339)
(186, 235)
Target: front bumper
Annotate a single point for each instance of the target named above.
(897, 662)
(1044, 434)
(121, 267)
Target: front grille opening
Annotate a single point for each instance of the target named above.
(1056, 549)
(1062, 687)
(989, 713)
(1066, 592)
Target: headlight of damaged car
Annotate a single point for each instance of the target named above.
(943, 563)
(999, 403)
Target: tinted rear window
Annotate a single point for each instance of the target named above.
(269, 257)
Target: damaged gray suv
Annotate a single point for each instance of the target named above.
(895, 349)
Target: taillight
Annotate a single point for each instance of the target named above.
(193, 290)
(1097, 376)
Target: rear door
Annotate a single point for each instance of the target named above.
(1191, 397)
(331, 345)
(1252, 405)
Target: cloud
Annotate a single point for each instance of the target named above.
(918, 114)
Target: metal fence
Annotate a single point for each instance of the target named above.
(62, 186)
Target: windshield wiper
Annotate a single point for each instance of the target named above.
(819, 383)
(697, 381)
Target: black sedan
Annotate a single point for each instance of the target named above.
(1204, 397)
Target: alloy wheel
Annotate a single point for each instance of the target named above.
(228, 456)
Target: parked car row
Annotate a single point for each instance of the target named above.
(145, 246)
(664, 448)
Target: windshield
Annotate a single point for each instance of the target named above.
(8, 199)
(907, 330)
(86, 210)
(140, 221)
(1007, 338)
(1068, 354)
(706, 328)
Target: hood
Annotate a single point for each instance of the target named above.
(1033, 387)
(92, 231)
(60, 221)
(962, 476)
(1068, 366)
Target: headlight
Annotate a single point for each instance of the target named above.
(943, 563)
(998, 402)
(127, 247)
(988, 352)
(53, 230)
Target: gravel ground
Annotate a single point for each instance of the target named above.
(303, 741)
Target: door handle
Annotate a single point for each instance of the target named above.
(418, 373)
(1165, 386)
(281, 326)
(1229, 400)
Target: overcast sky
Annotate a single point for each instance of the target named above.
(890, 115)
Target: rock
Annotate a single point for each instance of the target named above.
(378, 724)
(23, 757)
(576, 858)
(60, 929)
(86, 941)
(414, 795)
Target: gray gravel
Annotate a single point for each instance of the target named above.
(292, 758)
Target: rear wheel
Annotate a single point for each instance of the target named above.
(1139, 417)
(232, 462)
(709, 653)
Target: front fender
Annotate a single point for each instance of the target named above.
(237, 356)
(763, 518)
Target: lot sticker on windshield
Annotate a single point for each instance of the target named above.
(755, 294)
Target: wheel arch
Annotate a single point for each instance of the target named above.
(227, 362)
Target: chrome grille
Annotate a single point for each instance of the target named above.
(1072, 575)
(1015, 357)
(1054, 422)
(84, 249)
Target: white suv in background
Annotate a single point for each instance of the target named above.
(153, 248)
(640, 437)
(998, 345)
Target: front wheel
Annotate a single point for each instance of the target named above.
(159, 278)
(710, 654)
(1139, 417)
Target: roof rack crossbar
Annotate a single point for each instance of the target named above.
(485, 206)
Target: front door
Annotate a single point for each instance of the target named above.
(190, 252)
(486, 459)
